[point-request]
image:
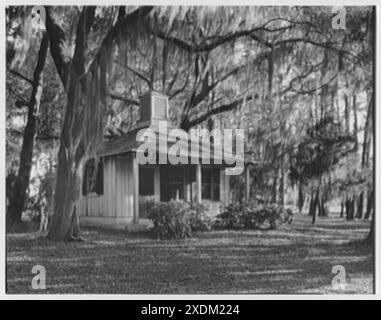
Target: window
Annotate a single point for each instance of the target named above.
(210, 183)
(206, 184)
(176, 183)
(93, 178)
(171, 182)
(216, 184)
(146, 181)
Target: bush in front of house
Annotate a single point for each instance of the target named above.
(251, 216)
(199, 219)
(178, 219)
(171, 220)
(264, 216)
(146, 203)
(231, 217)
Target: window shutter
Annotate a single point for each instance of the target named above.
(84, 181)
(91, 174)
(216, 184)
(99, 186)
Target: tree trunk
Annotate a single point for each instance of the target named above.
(365, 203)
(353, 207)
(355, 121)
(300, 198)
(369, 206)
(320, 208)
(367, 131)
(370, 238)
(350, 206)
(282, 184)
(360, 206)
(314, 207)
(347, 115)
(322, 205)
(19, 193)
(311, 206)
(65, 222)
(347, 207)
(274, 193)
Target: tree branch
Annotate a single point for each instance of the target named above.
(117, 96)
(219, 40)
(207, 88)
(224, 108)
(38, 137)
(59, 47)
(179, 90)
(120, 25)
(315, 89)
(121, 12)
(194, 48)
(136, 72)
(326, 45)
(18, 74)
(85, 22)
(290, 86)
(21, 100)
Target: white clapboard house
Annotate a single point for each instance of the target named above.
(115, 195)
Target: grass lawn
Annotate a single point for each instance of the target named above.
(296, 258)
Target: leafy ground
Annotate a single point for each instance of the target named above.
(297, 258)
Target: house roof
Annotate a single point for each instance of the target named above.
(128, 143)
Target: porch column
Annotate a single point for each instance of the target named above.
(186, 184)
(135, 171)
(198, 183)
(227, 188)
(222, 186)
(156, 181)
(247, 183)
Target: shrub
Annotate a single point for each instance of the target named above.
(171, 220)
(177, 219)
(146, 204)
(251, 216)
(230, 217)
(199, 219)
(264, 216)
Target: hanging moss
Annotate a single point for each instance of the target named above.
(93, 87)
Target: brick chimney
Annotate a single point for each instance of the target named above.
(153, 108)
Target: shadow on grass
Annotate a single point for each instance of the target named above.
(293, 259)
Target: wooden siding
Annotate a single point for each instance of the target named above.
(91, 206)
(117, 200)
(124, 191)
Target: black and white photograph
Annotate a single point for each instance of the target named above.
(203, 149)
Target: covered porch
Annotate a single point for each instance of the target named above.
(197, 183)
